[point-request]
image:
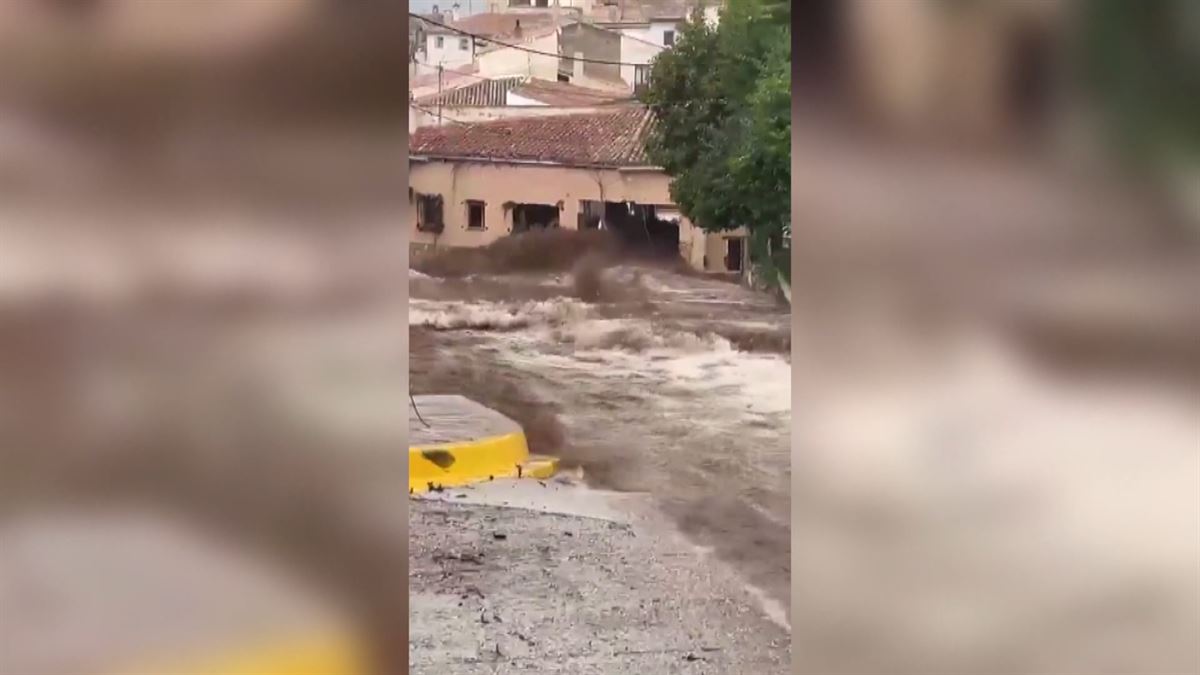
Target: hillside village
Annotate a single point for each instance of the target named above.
(526, 116)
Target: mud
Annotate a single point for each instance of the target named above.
(535, 251)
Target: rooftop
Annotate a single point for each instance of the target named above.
(501, 26)
(609, 139)
(556, 93)
(483, 93)
(494, 93)
(633, 12)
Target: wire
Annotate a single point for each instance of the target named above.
(417, 410)
(600, 96)
(460, 31)
(460, 73)
(442, 116)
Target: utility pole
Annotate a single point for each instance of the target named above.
(441, 69)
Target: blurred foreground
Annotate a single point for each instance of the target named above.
(997, 414)
(201, 337)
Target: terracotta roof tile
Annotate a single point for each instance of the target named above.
(613, 139)
(500, 25)
(566, 94)
(480, 94)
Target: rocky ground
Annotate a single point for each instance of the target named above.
(556, 578)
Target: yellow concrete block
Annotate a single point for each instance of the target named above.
(456, 441)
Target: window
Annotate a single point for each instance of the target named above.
(429, 213)
(564, 78)
(437, 41)
(463, 44)
(669, 38)
(475, 215)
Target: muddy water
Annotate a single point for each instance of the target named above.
(679, 387)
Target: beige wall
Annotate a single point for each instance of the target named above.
(506, 61)
(496, 184)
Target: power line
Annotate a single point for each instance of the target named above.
(442, 116)
(460, 31)
(591, 95)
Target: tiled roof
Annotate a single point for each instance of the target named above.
(501, 26)
(492, 93)
(566, 94)
(480, 94)
(650, 10)
(614, 139)
(662, 10)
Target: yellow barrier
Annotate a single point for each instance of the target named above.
(455, 464)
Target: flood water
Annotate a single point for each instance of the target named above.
(677, 386)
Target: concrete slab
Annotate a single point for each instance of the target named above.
(456, 441)
(446, 419)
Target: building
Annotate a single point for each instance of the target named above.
(471, 184)
(597, 56)
(488, 99)
(657, 23)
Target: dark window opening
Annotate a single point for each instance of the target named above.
(543, 3)
(463, 44)
(534, 217)
(590, 214)
(733, 254)
(669, 38)
(437, 42)
(640, 230)
(564, 78)
(475, 215)
(429, 213)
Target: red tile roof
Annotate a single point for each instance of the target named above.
(483, 93)
(501, 25)
(611, 139)
(566, 94)
(494, 93)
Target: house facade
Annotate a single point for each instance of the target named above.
(473, 184)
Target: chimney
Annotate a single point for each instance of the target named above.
(517, 30)
(577, 75)
(454, 12)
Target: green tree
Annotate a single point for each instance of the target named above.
(722, 104)
(1142, 62)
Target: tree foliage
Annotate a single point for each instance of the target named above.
(1142, 60)
(722, 101)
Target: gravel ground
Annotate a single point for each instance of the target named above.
(497, 588)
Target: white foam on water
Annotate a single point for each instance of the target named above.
(494, 315)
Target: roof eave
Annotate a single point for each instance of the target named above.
(535, 162)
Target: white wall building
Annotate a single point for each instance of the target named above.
(639, 52)
(509, 61)
(448, 49)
